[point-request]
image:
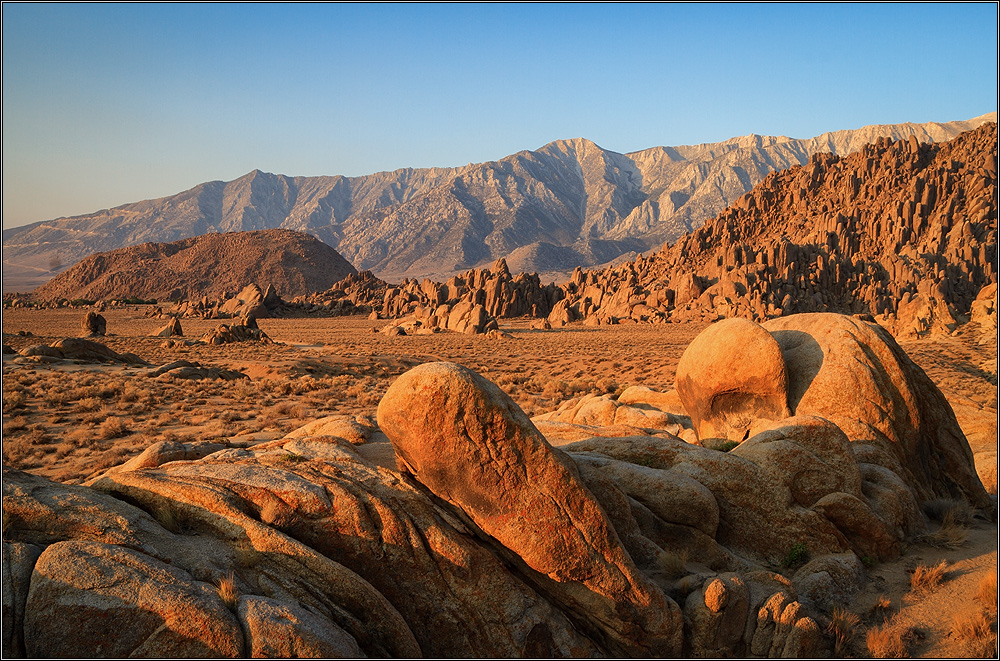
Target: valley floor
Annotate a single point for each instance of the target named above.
(69, 421)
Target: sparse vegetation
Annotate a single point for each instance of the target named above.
(986, 593)
(927, 578)
(843, 626)
(228, 593)
(113, 427)
(891, 640)
(881, 609)
(797, 556)
(975, 633)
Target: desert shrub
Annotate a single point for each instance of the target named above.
(926, 578)
(673, 564)
(16, 424)
(891, 640)
(797, 555)
(36, 435)
(727, 446)
(112, 458)
(82, 438)
(88, 404)
(13, 400)
(843, 624)
(113, 427)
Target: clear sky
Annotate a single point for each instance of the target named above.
(108, 104)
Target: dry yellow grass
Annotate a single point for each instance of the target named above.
(976, 634)
(843, 626)
(228, 593)
(986, 594)
(927, 578)
(891, 640)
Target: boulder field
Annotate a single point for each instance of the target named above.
(648, 524)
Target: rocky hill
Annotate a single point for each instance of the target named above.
(901, 230)
(570, 203)
(293, 263)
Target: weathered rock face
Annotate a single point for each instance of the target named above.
(485, 456)
(172, 329)
(730, 376)
(489, 541)
(895, 416)
(93, 324)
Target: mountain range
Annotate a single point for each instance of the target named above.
(570, 203)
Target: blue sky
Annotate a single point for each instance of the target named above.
(108, 104)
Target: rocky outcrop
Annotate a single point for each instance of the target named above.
(900, 230)
(172, 329)
(487, 540)
(79, 349)
(185, 369)
(486, 458)
(238, 332)
(93, 324)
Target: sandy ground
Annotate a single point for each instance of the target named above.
(68, 421)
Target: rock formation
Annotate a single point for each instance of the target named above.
(595, 531)
(93, 324)
(902, 231)
(569, 203)
(207, 265)
(72, 348)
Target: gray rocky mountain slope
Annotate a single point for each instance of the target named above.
(566, 204)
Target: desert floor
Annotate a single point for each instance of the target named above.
(70, 421)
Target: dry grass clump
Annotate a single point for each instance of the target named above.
(843, 625)
(975, 631)
(88, 404)
(891, 640)
(944, 509)
(881, 608)
(673, 564)
(113, 427)
(952, 534)
(228, 592)
(927, 578)
(986, 594)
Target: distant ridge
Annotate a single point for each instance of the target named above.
(295, 263)
(566, 204)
